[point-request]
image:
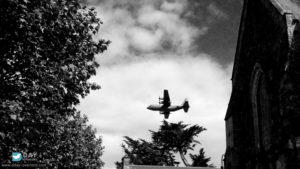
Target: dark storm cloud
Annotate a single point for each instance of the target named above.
(222, 18)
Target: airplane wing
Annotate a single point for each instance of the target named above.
(166, 114)
(166, 100)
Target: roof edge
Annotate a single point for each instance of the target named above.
(280, 8)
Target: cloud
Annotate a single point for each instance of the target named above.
(216, 11)
(152, 50)
(119, 108)
(177, 7)
(145, 40)
(151, 28)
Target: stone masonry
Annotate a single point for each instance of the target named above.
(263, 115)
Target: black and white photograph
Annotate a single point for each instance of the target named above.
(150, 84)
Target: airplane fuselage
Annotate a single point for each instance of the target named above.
(163, 108)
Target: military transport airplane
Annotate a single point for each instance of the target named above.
(165, 106)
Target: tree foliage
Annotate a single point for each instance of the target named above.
(77, 144)
(119, 165)
(169, 139)
(141, 152)
(200, 160)
(177, 137)
(47, 56)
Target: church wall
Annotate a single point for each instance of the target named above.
(256, 121)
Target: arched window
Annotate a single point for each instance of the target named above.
(260, 109)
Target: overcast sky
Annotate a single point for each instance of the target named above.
(185, 46)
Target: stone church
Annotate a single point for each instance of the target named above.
(263, 116)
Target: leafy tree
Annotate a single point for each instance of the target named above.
(169, 139)
(46, 57)
(119, 165)
(177, 137)
(141, 152)
(200, 160)
(78, 146)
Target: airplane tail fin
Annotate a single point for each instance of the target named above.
(185, 105)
